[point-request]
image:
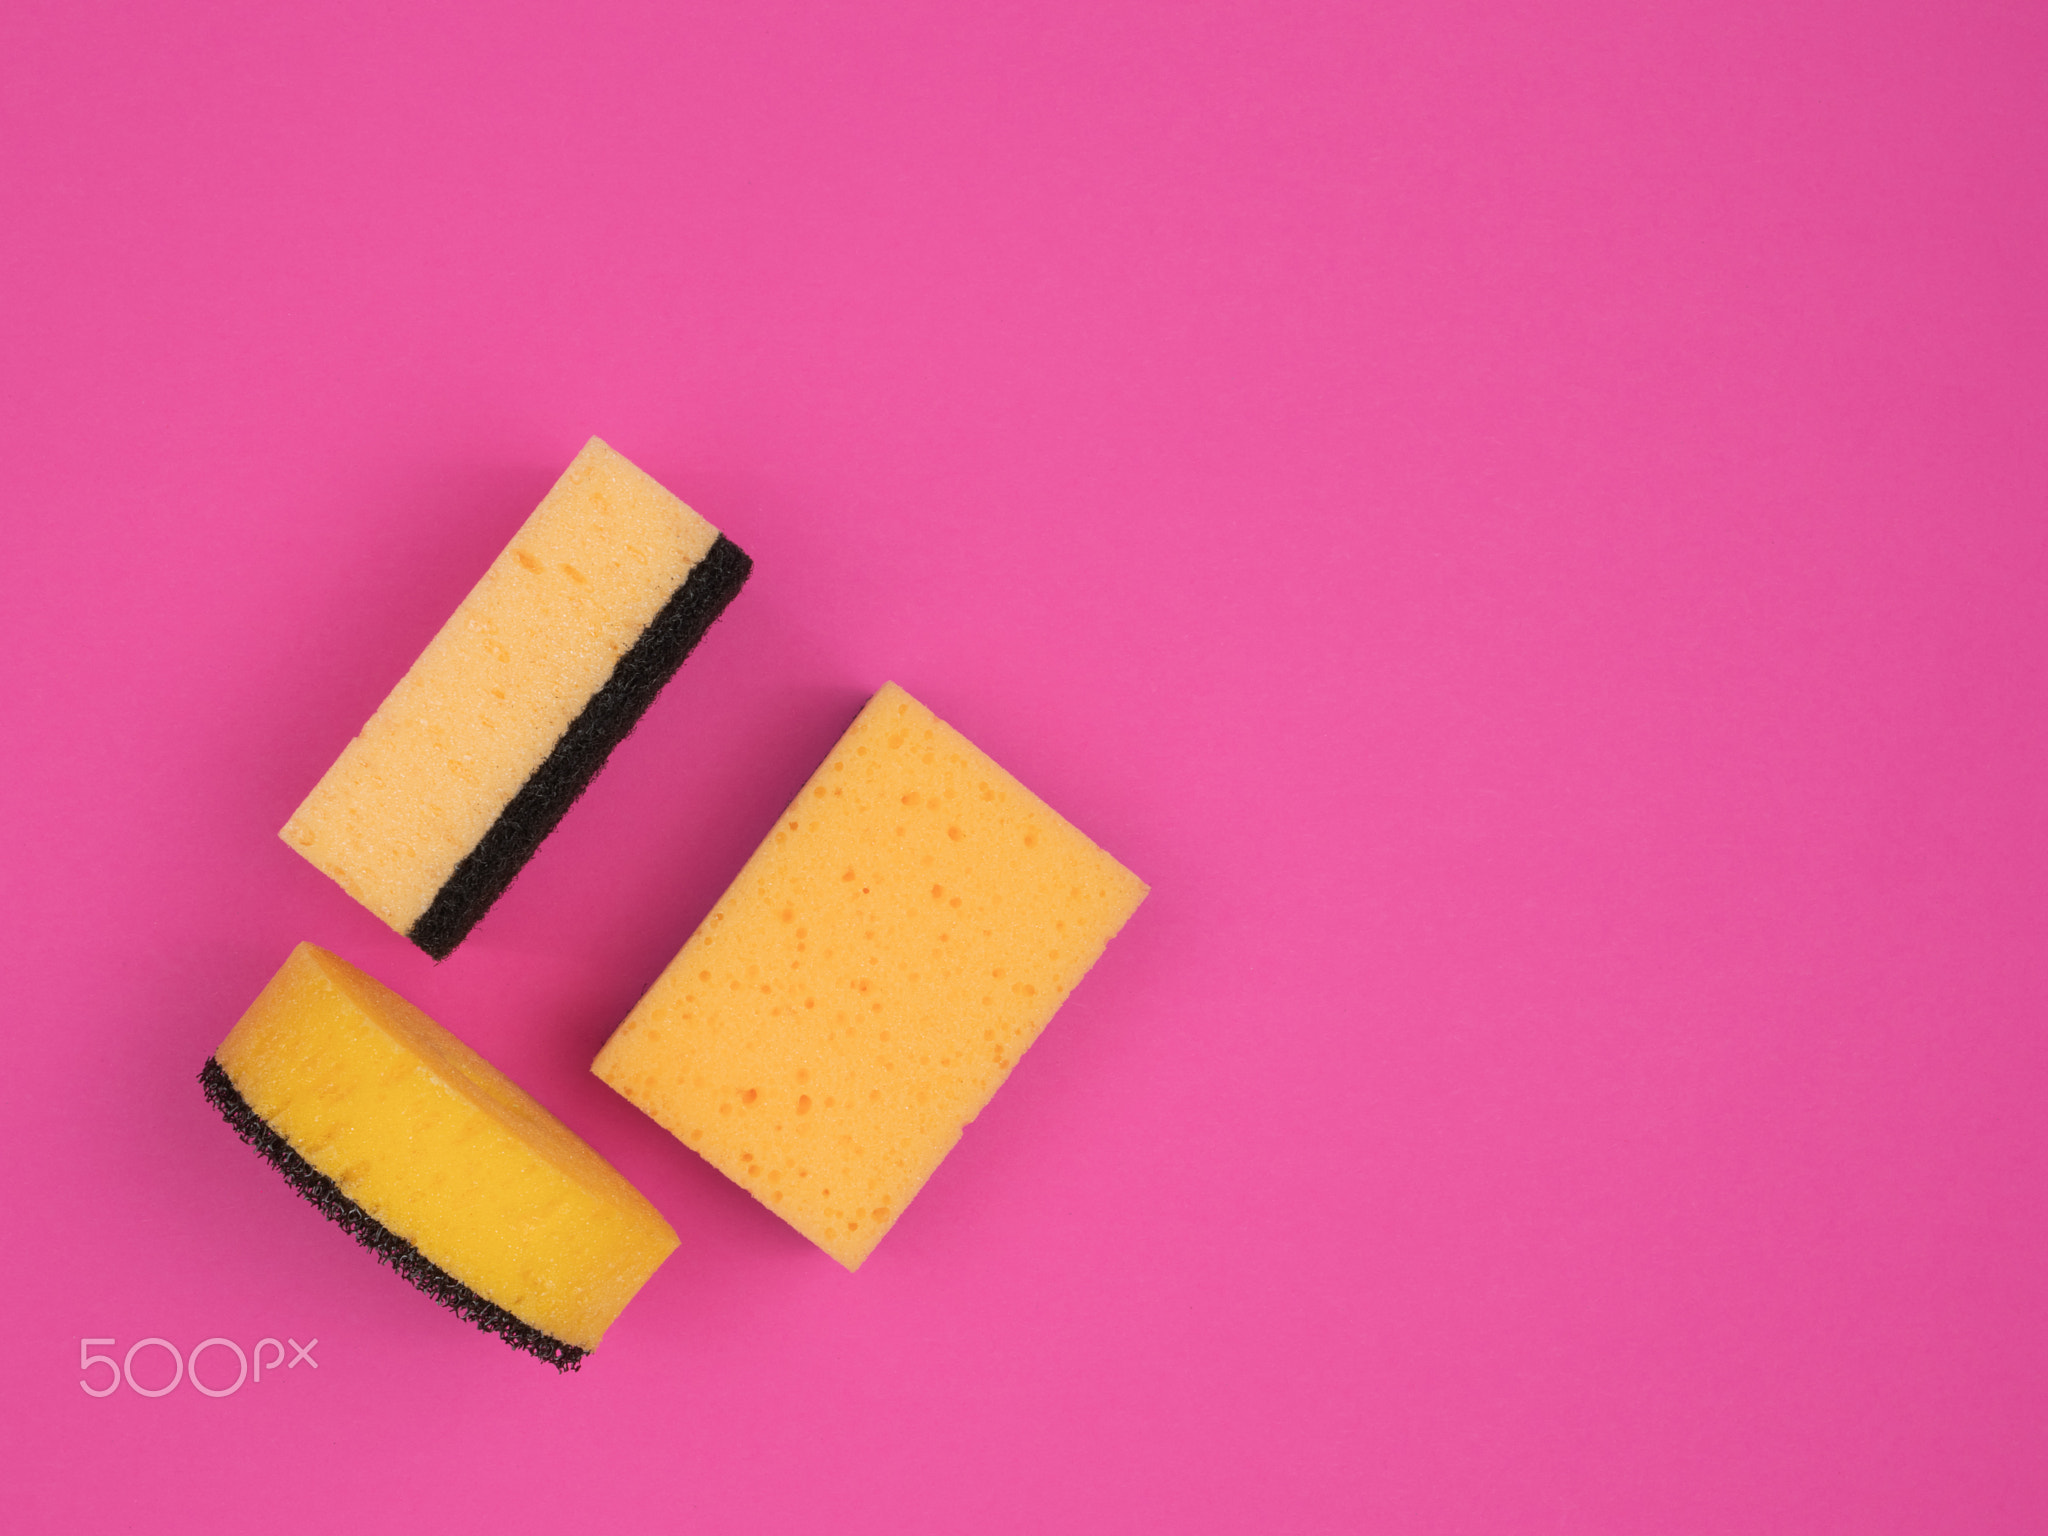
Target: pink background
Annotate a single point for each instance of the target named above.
(1528, 525)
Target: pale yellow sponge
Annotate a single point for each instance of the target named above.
(869, 980)
(514, 706)
(434, 1160)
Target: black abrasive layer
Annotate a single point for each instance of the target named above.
(387, 1245)
(612, 712)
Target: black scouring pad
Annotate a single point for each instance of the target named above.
(566, 772)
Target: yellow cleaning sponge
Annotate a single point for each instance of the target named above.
(434, 1160)
(869, 980)
(514, 706)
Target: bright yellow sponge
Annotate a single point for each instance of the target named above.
(433, 1159)
(869, 980)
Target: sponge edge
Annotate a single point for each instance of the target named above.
(514, 706)
(433, 1159)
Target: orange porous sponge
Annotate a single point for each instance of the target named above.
(514, 706)
(867, 983)
(432, 1159)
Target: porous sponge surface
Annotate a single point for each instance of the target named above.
(440, 1148)
(494, 691)
(866, 984)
